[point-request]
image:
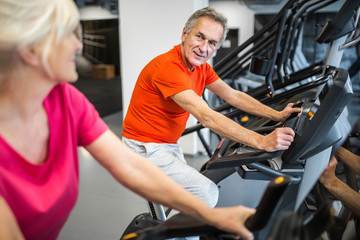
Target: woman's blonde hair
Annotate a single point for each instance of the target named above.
(26, 23)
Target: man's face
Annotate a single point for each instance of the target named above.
(201, 42)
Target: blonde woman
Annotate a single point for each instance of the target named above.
(43, 119)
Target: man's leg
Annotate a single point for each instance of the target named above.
(170, 158)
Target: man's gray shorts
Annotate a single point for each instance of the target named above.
(170, 158)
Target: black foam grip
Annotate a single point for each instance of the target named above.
(267, 204)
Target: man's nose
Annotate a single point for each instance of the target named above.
(204, 45)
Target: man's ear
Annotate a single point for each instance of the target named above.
(30, 56)
(183, 34)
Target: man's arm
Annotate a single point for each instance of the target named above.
(279, 139)
(249, 104)
(350, 159)
(146, 179)
(339, 189)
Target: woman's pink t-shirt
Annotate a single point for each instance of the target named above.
(42, 196)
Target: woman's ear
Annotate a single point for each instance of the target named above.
(30, 56)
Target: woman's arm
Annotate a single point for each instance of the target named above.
(9, 228)
(147, 180)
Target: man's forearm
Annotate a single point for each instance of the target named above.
(350, 159)
(252, 106)
(346, 195)
(228, 128)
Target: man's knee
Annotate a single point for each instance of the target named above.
(211, 194)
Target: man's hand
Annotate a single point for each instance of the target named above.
(287, 111)
(279, 139)
(328, 176)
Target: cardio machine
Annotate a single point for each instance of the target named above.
(181, 225)
(254, 167)
(287, 84)
(322, 127)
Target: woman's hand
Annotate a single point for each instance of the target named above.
(232, 220)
